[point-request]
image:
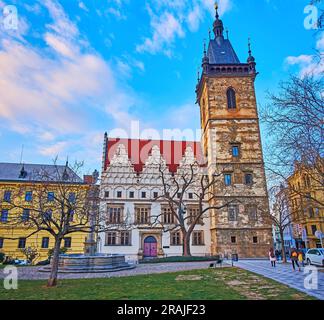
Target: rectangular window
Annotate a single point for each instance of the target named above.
(311, 212)
(253, 213)
(233, 212)
(190, 195)
(119, 194)
(7, 196)
(106, 194)
(131, 194)
(178, 195)
(142, 215)
(198, 238)
(255, 239)
(168, 217)
(1, 243)
(155, 195)
(67, 242)
(228, 179)
(233, 239)
(22, 243)
(143, 194)
(314, 228)
(50, 196)
(193, 212)
(176, 238)
(29, 196)
(71, 215)
(25, 215)
(45, 242)
(125, 237)
(72, 197)
(114, 214)
(111, 238)
(235, 151)
(48, 214)
(4, 215)
(248, 179)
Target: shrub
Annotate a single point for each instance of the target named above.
(51, 252)
(2, 257)
(8, 260)
(30, 253)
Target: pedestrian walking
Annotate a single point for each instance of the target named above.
(301, 258)
(294, 259)
(272, 258)
(277, 254)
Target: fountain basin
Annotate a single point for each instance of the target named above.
(78, 263)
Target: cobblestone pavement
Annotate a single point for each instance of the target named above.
(32, 273)
(284, 273)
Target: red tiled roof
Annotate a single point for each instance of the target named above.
(139, 150)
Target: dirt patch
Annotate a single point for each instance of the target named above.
(188, 278)
(236, 283)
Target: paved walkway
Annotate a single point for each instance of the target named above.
(284, 273)
(32, 273)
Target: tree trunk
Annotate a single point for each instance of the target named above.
(283, 253)
(52, 281)
(186, 246)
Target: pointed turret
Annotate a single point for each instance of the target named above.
(251, 59)
(218, 25)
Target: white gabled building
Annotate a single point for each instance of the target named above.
(130, 204)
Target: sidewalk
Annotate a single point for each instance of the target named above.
(283, 273)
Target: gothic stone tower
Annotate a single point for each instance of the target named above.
(232, 145)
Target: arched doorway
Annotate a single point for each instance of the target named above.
(150, 247)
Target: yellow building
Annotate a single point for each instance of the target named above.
(21, 189)
(306, 196)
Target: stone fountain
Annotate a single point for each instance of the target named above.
(91, 261)
(79, 263)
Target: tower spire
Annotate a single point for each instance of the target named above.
(218, 24)
(216, 9)
(251, 59)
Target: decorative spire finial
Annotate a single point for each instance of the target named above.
(216, 8)
(249, 44)
(205, 53)
(218, 24)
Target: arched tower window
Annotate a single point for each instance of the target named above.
(231, 99)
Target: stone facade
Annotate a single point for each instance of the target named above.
(232, 144)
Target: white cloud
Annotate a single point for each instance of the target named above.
(169, 21)
(309, 64)
(83, 6)
(165, 29)
(54, 149)
(49, 93)
(194, 18)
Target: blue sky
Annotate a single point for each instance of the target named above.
(75, 69)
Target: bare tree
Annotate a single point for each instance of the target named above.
(294, 118)
(175, 187)
(281, 213)
(58, 205)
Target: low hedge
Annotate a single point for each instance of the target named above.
(179, 259)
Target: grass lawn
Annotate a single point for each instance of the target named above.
(210, 284)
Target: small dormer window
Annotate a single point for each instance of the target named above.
(231, 99)
(23, 173)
